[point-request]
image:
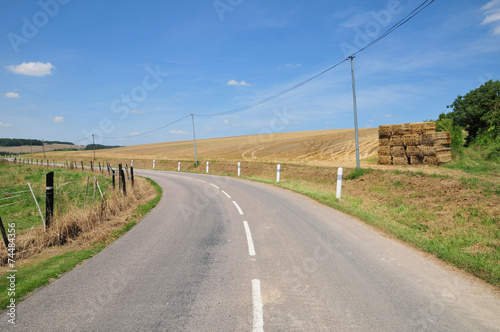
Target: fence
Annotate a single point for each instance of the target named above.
(23, 203)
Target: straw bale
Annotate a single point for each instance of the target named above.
(400, 160)
(384, 160)
(429, 127)
(427, 151)
(413, 151)
(411, 140)
(398, 151)
(397, 130)
(430, 160)
(384, 151)
(415, 160)
(434, 139)
(406, 128)
(384, 141)
(443, 158)
(384, 131)
(396, 140)
(417, 128)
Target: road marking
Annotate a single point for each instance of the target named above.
(213, 185)
(202, 181)
(225, 193)
(238, 207)
(258, 315)
(251, 248)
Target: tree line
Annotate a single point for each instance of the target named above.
(23, 141)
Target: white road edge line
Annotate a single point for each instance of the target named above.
(251, 248)
(213, 185)
(225, 193)
(258, 315)
(238, 207)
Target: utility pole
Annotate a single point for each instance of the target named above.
(355, 111)
(93, 144)
(194, 139)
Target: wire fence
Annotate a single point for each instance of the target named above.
(23, 203)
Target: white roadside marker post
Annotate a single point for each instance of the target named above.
(131, 163)
(154, 164)
(239, 169)
(278, 174)
(207, 166)
(179, 167)
(340, 174)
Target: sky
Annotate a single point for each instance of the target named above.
(124, 70)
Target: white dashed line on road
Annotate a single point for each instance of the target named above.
(213, 185)
(258, 315)
(251, 248)
(225, 193)
(238, 207)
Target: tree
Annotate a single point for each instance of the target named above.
(479, 113)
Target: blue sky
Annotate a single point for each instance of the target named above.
(119, 69)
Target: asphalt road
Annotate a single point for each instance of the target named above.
(220, 254)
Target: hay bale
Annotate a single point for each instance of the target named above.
(397, 129)
(406, 128)
(435, 139)
(413, 151)
(385, 141)
(384, 131)
(384, 160)
(384, 151)
(398, 151)
(443, 158)
(415, 160)
(400, 160)
(412, 140)
(427, 151)
(396, 140)
(430, 160)
(429, 127)
(416, 128)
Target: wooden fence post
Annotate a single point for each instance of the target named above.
(132, 175)
(49, 198)
(120, 176)
(91, 166)
(82, 164)
(124, 185)
(4, 234)
(113, 178)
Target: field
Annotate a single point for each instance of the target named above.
(39, 148)
(317, 148)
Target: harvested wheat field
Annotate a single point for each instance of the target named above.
(318, 148)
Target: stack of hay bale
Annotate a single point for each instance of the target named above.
(414, 144)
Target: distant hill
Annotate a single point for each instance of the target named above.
(101, 147)
(28, 142)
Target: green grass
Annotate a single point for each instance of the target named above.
(475, 161)
(357, 173)
(31, 277)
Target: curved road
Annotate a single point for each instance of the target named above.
(221, 254)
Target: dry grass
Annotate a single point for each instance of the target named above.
(84, 226)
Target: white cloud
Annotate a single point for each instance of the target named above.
(135, 133)
(2, 124)
(12, 95)
(388, 116)
(491, 12)
(179, 132)
(32, 68)
(137, 111)
(235, 82)
(226, 121)
(58, 119)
